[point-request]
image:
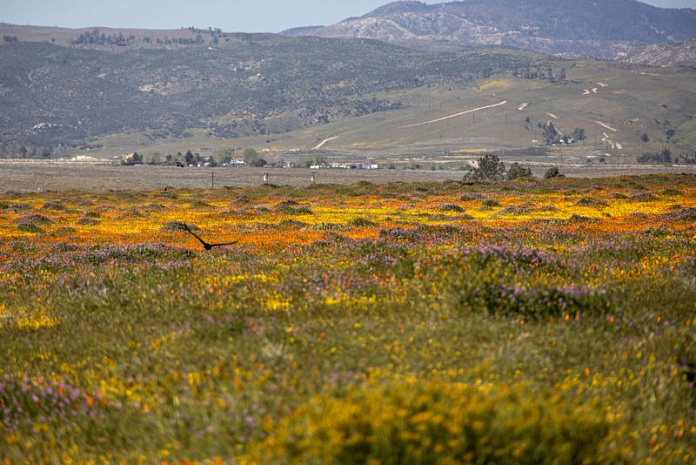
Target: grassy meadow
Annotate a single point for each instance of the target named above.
(516, 322)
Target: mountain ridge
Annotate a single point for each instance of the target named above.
(569, 28)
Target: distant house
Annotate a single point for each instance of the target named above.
(84, 159)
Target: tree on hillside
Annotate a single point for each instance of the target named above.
(549, 74)
(550, 133)
(579, 134)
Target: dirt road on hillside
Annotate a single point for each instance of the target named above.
(324, 142)
(473, 110)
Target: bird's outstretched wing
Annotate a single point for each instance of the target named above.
(205, 244)
(223, 244)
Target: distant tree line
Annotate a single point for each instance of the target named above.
(22, 151)
(543, 74)
(221, 157)
(94, 37)
(189, 158)
(215, 33)
(553, 136)
(198, 40)
(491, 168)
(665, 157)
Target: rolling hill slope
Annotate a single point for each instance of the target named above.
(64, 97)
(624, 111)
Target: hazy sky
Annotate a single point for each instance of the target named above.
(228, 15)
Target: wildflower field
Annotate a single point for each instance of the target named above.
(516, 322)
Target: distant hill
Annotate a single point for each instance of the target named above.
(572, 28)
(302, 31)
(61, 98)
(679, 54)
(108, 92)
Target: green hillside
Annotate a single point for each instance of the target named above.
(624, 112)
(628, 102)
(356, 97)
(61, 99)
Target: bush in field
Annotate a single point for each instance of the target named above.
(29, 228)
(517, 171)
(501, 299)
(178, 226)
(451, 207)
(553, 172)
(56, 206)
(87, 221)
(496, 281)
(489, 168)
(362, 223)
(428, 423)
(288, 210)
(35, 220)
(664, 157)
(681, 214)
(489, 204)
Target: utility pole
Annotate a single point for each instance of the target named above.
(212, 180)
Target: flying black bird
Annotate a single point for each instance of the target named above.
(207, 246)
